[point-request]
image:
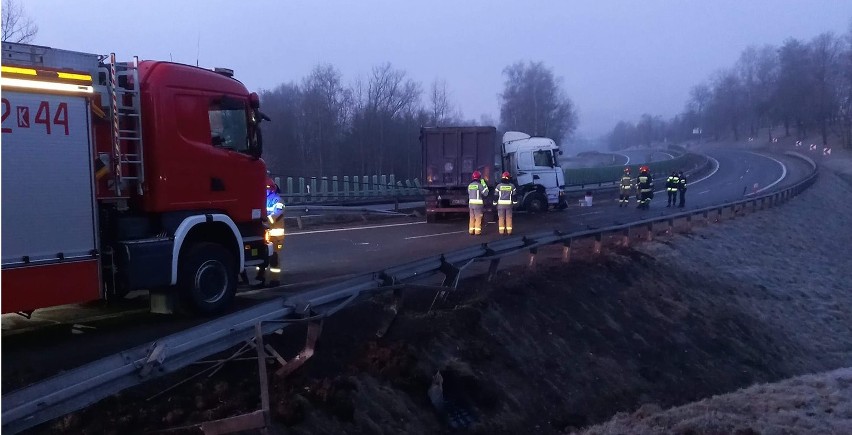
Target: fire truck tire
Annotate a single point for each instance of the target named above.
(207, 277)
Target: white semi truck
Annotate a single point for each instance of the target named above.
(534, 166)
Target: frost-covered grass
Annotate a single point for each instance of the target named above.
(793, 269)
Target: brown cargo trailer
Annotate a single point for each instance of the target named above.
(450, 155)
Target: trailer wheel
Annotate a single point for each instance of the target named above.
(207, 277)
(536, 203)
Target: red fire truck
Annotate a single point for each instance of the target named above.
(120, 176)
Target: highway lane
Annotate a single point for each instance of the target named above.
(635, 157)
(327, 254)
(344, 251)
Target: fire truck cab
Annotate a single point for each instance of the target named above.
(141, 175)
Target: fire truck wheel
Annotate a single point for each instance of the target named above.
(207, 277)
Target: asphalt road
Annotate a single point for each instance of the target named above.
(343, 251)
(314, 256)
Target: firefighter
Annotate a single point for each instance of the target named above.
(626, 188)
(275, 223)
(477, 190)
(671, 189)
(505, 200)
(645, 187)
(681, 188)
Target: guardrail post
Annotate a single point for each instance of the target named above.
(301, 189)
(312, 187)
(365, 185)
(566, 251)
(762, 203)
(650, 232)
(531, 264)
(718, 215)
(290, 191)
(706, 216)
(324, 188)
(625, 237)
(334, 187)
(598, 242)
(261, 367)
(689, 223)
(375, 187)
(492, 268)
(670, 228)
(383, 190)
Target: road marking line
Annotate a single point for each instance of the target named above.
(586, 214)
(783, 173)
(434, 235)
(702, 193)
(299, 233)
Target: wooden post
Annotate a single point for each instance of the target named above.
(566, 251)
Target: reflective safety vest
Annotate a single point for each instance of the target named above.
(476, 191)
(505, 194)
(672, 183)
(275, 215)
(682, 184)
(644, 182)
(626, 183)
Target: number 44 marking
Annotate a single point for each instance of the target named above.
(60, 116)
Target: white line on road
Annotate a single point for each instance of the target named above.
(434, 235)
(783, 174)
(334, 230)
(702, 193)
(593, 212)
(716, 169)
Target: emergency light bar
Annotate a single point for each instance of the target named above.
(30, 78)
(46, 86)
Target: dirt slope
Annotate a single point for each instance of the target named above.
(757, 299)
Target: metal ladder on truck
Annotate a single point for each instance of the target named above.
(128, 166)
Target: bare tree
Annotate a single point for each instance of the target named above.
(794, 85)
(324, 115)
(825, 52)
(439, 99)
(845, 109)
(17, 27)
(534, 102)
(699, 98)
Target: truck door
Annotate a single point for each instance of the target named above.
(545, 173)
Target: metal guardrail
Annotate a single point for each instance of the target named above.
(584, 177)
(364, 189)
(78, 388)
(341, 190)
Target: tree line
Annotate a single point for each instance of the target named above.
(803, 86)
(322, 126)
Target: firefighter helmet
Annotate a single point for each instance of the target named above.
(476, 175)
(270, 185)
(506, 175)
(643, 169)
(627, 169)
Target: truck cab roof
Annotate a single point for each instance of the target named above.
(515, 140)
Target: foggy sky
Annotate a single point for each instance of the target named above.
(617, 59)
